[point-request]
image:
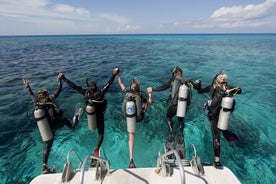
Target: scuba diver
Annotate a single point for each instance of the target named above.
(95, 106)
(179, 100)
(219, 108)
(49, 118)
(133, 109)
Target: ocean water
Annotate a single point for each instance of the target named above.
(248, 60)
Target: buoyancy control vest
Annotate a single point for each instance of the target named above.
(94, 100)
(227, 107)
(132, 110)
(91, 116)
(46, 114)
(221, 106)
(181, 95)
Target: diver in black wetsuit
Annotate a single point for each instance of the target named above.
(173, 100)
(95, 95)
(218, 89)
(54, 116)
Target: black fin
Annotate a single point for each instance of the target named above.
(230, 136)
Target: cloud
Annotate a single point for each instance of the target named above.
(129, 28)
(63, 8)
(114, 18)
(243, 15)
(228, 19)
(41, 10)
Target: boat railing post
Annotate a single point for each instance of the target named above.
(83, 168)
(160, 162)
(76, 153)
(102, 163)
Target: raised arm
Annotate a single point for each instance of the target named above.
(160, 88)
(110, 81)
(30, 92)
(72, 85)
(58, 90)
(205, 90)
(121, 84)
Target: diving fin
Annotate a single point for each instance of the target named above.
(77, 116)
(230, 136)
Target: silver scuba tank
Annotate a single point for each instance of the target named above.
(91, 117)
(225, 112)
(43, 124)
(183, 95)
(131, 116)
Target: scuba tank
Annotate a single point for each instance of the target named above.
(91, 117)
(131, 116)
(227, 107)
(43, 124)
(183, 95)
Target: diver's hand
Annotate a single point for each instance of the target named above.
(25, 82)
(61, 76)
(239, 90)
(149, 89)
(116, 71)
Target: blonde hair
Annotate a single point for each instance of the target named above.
(221, 80)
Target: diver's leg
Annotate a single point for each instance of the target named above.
(216, 142)
(45, 155)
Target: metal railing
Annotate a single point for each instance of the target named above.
(68, 170)
(102, 167)
(76, 153)
(162, 165)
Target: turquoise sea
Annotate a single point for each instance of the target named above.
(248, 60)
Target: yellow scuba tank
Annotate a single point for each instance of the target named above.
(131, 116)
(43, 124)
(227, 104)
(183, 95)
(91, 117)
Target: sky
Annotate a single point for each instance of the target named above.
(62, 17)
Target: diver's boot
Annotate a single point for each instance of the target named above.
(93, 161)
(171, 137)
(46, 170)
(131, 164)
(180, 138)
(170, 144)
(218, 165)
(180, 145)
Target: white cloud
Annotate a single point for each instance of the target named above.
(41, 10)
(129, 28)
(114, 18)
(63, 8)
(236, 14)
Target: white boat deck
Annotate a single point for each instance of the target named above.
(170, 169)
(146, 176)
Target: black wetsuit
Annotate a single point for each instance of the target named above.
(171, 112)
(97, 97)
(56, 121)
(213, 111)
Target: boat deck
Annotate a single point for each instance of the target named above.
(170, 169)
(146, 176)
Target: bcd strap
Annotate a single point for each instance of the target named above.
(90, 113)
(228, 110)
(98, 101)
(131, 116)
(183, 99)
(38, 119)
